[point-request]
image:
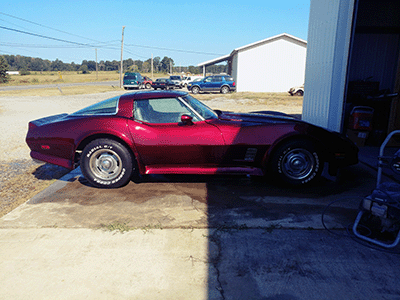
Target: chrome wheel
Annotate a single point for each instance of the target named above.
(298, 164)
(105, 164)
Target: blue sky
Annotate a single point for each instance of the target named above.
(190, 32)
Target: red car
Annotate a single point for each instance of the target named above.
(170, 132)
(147, 82)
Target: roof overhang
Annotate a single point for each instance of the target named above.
(286, 36)
(215, 61)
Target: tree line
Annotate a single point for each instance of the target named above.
(25, 64)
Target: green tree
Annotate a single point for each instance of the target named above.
(84, 69)
(167, 64)
(3, 70)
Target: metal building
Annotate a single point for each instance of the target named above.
(274, 64)
(352, 60)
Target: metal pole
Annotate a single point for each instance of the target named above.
(152, 77)
(121, 70)
(97, 69)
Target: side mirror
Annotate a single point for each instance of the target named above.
(218, 112)
(186, 120)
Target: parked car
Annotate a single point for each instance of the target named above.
(160, 132)
(132, 80)
(190, 78)
(147, 82)
(177, 80)
(297, 90)
(217, 83)
(163, 83)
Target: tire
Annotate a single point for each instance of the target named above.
(106, 163)
(225, 90)
(195, 90)
(297, 163)
(299, 93)
(148, 86)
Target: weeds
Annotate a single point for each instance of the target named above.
(124, 227)
(116, 226)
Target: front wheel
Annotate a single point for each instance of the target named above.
(195, 90)
(297, 163)
(106, 163)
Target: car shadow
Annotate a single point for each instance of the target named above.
(49, 172)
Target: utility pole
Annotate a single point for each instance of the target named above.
(152, 77)
(97, 69)
(121, 70)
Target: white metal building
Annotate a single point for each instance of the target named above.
(274, 64)
(352, 59)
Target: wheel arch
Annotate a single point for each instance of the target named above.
(87, 140)
(196, 85)
(225, 85)
(292, 138)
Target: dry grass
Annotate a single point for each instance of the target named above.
(269, 99)
(37, 78)
(70, 90)
(22, 187)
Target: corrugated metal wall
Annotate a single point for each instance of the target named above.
(329, 33)
(375, 55)
(272, 67)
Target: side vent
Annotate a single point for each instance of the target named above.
(250, 154)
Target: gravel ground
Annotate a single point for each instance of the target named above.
(21, 178)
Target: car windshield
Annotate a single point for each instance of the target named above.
(202, 109)
(175, 77)
(106, 107)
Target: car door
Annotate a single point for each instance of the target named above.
(161, 139)
(206, 84)
(216, 83)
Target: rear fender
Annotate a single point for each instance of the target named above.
(117, 136)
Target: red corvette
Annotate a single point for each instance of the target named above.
(149, 132)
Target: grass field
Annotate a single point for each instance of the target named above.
(36, 78)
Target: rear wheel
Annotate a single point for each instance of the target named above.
(106, 163)
(297, 163)
(225, 90)
(299, 93)
(148, 85)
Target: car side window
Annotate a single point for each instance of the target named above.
(158, 111)
(217, 79)
(208, 79)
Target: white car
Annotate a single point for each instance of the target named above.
(297, 90)
(188, 79)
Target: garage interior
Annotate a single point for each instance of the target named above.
(372, 101)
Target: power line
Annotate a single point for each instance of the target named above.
(48, 27)
(47, 37)
(175, 50)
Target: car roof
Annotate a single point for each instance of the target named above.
(153, 94)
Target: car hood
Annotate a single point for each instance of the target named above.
(258, 117)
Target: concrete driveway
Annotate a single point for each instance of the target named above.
(193, 237)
